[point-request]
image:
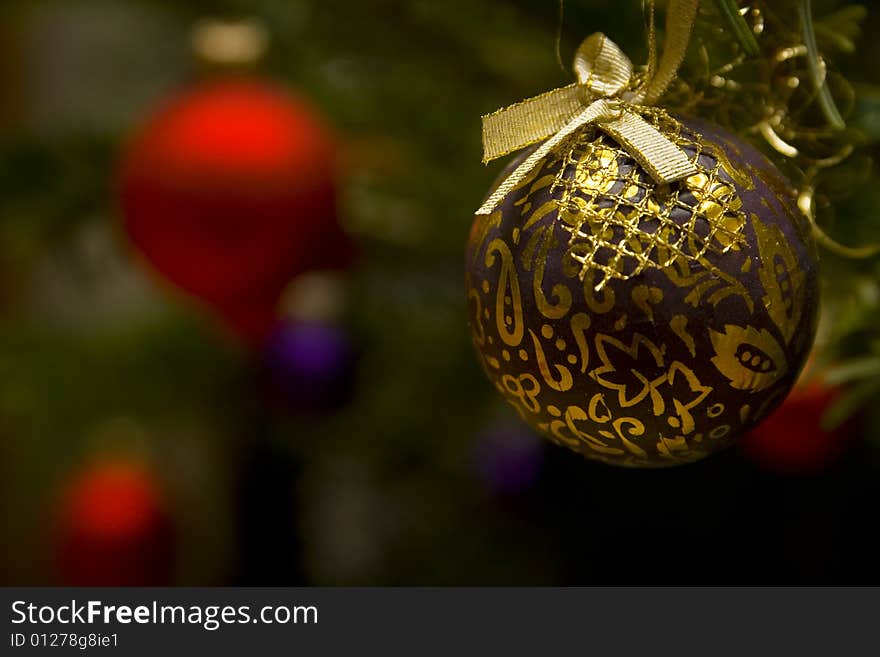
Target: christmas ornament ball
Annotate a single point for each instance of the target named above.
(793, 440)
(229, 192)
(640, 324)
(114, 528)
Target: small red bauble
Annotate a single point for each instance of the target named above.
(229, 192)
(792, 441)
(114, 529)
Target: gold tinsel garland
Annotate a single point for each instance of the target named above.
(783, 98)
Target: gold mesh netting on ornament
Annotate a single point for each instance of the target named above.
(621, 222)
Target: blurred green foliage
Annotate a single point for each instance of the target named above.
(404, 82)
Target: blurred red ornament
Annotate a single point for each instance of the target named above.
(791, 441)
(229, 192)
(114, 529)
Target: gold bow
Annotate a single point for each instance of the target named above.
(606, 94)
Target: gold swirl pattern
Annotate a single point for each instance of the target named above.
(510, 326)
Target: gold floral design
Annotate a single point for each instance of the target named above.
(687, 393)
(641, 360)
(781, 277)
(750, 358)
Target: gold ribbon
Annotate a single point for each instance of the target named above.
(607, 95)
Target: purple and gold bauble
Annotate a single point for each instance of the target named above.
(509, 458)
(310, 366)
(637, 323)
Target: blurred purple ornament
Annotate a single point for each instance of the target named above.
(509, 457)
(309, 365)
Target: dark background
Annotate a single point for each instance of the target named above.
(398, 485)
